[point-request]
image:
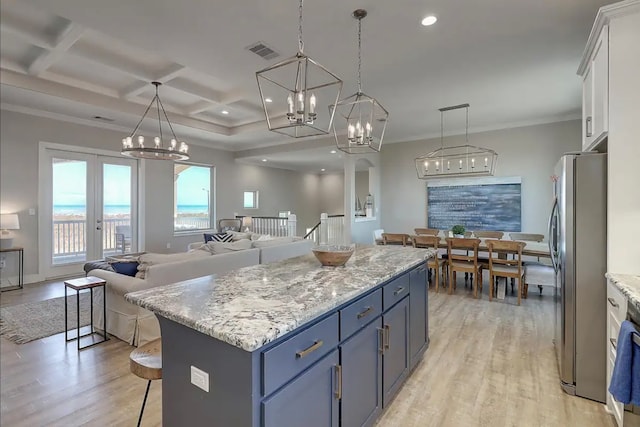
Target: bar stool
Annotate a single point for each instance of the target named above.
(146, 362)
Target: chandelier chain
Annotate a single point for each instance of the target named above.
(300, 41)
(158, 108)
(359, 55)
(143, 116)
(466, 127)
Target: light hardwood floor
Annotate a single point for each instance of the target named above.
(488, 364)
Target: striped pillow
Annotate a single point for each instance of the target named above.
(218, 237)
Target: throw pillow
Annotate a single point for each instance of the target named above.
(239, 235)
(129, 268)
(263, 237)
(225, 247)
(217, 237)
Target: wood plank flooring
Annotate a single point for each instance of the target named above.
(488, 364)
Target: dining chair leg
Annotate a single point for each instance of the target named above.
(475, 286)
(437, 273)
(490, 286)
(451, 274)
(519, 290)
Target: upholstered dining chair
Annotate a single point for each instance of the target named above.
(465, 260)
(229, 224)
(539, 273)
(426, 231)
(505, 267)
(123, 238)
(488, 234)
(395, 239)
(422, 241)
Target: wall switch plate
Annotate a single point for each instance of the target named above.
(200, 378)
(3, 263)
(32, 211)
(168, 245)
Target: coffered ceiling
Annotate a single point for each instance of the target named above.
(76, 60)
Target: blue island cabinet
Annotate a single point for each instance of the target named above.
(341, 369)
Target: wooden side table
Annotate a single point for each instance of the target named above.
(78, 285)
(20, 268)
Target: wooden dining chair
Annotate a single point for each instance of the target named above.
(465, 261)
(500, 266)
(426, 231)
(528, 237)
(395, 239)
(422, 241)
(488, 234)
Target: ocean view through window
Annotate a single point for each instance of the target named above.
(192, 195)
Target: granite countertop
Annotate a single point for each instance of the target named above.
(253, 306)
(629, 285)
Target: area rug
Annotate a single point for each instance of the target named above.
(34, 320)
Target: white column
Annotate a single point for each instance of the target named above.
(349, 197)
(323, 231)
(292, 224)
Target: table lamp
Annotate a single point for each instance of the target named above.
(8, 222)
(247, 221)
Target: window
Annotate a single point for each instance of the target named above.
(250, 200)
(192, 186)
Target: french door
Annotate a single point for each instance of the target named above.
(90, 209)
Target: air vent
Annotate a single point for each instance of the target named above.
(104, 119)
(263, 51)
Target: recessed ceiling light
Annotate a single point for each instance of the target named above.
(225, 112)
(264, 160)
(322, 170)
(268, 100)
(429, 20)
(333, 151)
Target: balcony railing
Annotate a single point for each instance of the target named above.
(70, 238)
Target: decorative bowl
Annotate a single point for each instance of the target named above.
(333, 255)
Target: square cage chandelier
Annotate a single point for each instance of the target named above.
(365, 118)
(458, 161)
(295, 94)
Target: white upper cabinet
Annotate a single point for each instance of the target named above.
(595, 93)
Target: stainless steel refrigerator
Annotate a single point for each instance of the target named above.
(578, 244)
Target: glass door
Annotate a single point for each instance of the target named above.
(90, 209)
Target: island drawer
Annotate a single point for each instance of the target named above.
(291, 357)
(359, 313)
(394, 291)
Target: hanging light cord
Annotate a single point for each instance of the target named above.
(442, 129)
(359, 54)
(466, 134)
(159, 106)
(300, 42)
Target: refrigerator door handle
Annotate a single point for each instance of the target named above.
(551, 238)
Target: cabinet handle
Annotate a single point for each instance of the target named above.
(338, 392)
(398, 291)
(365, 312)
(314, 347)
(613, 302)
(381, 340)
(613, 343)
(587, 125)
(387, 341)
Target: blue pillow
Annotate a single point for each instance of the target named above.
(127, 268)
(218, 237)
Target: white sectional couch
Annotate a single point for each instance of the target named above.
(138, 326)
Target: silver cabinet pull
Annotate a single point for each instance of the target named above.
(338, 392)
(613, 302)
(314, 347)
(387, 341)
(613, 343)
(587, 124)
(381, 340)
(398, 291)
(364, 313)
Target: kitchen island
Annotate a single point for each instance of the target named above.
(292, 343)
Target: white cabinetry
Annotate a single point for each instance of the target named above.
(616, 313)
(595, 94)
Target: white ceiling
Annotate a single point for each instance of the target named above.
(514, 61)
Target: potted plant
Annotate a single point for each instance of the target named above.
(458, 230)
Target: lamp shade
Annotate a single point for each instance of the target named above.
(9, 222)
(247, 221)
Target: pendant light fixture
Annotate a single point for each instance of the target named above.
(462, 160)
(298, 107)
(364, 118)
(136, 147)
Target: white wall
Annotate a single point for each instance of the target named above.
(362, 186)
(331, 193)
(21, 134)
(530, 152)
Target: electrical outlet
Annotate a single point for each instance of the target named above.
(200, 378)
(3, 263)
(168, 245)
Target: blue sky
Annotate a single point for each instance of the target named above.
(70, 184)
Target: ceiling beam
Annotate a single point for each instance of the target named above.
(91, 98)
(67, 38)
(199, 107)
(173, 71)
(24, 33)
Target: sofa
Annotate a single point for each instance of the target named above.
(137, 325)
